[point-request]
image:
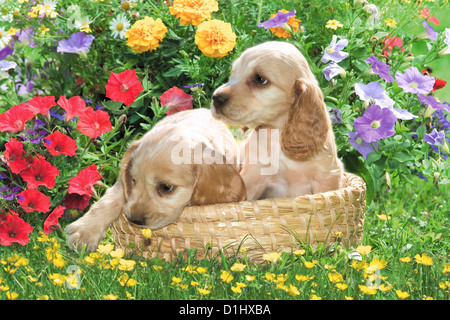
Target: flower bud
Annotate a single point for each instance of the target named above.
(126, 6)
(436, 179)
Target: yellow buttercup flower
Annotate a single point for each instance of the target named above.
(126, 281)
(105, 249)
(311, 264)
(333, 24)
(203, 291)
(238, 267)
(11, 295)
(147, 233)
(226, 276)
(405, 259)
(335, 277)
(146, 34)
(193, 11)
(126, 265)
(367, 290)
(402, 294)
(273, 257)
(281, 32)
(341, 286)
(215, 38)
(424, 259)
(363, 250)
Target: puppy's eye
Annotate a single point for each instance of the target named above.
(258, 79)
(165, 189)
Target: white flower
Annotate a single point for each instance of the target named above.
(4, 38)
(119, 25)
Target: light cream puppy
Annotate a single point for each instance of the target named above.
(273, 91)
(188, 158)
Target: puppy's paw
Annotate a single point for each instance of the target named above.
(80, 233)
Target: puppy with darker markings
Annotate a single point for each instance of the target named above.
(155, 186)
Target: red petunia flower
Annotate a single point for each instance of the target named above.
(32, 200)
(123, 87)
(426, 13)
(176, 100)
(52, 219)
(42, 105)
(83, 183)
(94, 123)
(13, 153)
(439, 84)
(40, 173)
(390, 43)
(15, 118)
(14, 229)
(58, 143)
(76, 201)
(74, 106)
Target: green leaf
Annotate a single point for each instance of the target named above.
(353, 164)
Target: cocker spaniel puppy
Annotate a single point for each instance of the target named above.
(292, 149)
(188, 158)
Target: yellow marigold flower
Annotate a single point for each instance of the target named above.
(203, 291)
(367, 290)
(215, 38)
(402, 294)
(335, 277)
(424, 259)
(273, 257)
(147, 233)
(363, 250)
(310, 265)
(281, 32)
(390, 22)
(193, 11)
(405, 259)
(226, 276)
(238, 267)
(333, 24)
(146, 34)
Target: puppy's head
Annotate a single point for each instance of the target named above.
(272, 85)
(156, 189)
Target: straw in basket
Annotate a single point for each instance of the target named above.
(261, 226)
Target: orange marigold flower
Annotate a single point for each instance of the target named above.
(280, 32)
(146, 34)
(215, 38)
(193, 11)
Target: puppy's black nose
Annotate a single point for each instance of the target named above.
(219, 100)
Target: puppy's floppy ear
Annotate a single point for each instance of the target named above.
(125, 175)
(307, 124)
(217, 183)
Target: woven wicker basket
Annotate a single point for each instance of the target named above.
(262, 226)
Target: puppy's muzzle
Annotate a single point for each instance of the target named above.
(220, 100)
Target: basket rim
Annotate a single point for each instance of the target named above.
(356, 182)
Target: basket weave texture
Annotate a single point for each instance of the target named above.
(261, 226)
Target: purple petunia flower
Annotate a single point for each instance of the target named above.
(413, 81)
(332, 70)
(431, 34)
(359, 144)
(277, 21)
(380, 68)
(375, 124)
(6, 51)
(432, 102)
(435, 138)
(333, 51)
(77, 42)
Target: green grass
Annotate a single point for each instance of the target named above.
(418, 224)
